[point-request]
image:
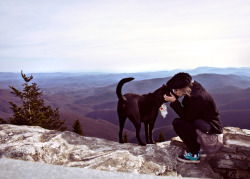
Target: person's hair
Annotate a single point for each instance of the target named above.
(187, 90)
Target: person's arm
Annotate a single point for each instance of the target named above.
(188, 112)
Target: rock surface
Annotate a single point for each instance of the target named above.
(31, 143)
(11, 168)
(232, 161)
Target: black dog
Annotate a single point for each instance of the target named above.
(139, 108)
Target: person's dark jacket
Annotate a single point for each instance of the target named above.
(200, 105)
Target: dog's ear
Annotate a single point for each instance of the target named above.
(170, 90)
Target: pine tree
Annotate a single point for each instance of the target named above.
(2, 121)
(77, 128)
(33, 112)
(161, 137)
(125, 138)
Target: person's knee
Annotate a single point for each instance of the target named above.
(202, 125)
(198, 122)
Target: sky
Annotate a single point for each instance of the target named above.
(123, 35)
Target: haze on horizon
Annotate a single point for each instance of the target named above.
(123, 36)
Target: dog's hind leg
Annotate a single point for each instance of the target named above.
(138, 136)
(138, 129)
(122, 120)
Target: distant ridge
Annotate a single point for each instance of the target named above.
(91, 97)
(230, 70)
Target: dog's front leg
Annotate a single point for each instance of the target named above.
(146, 133)
(139, 139)
(151, 127)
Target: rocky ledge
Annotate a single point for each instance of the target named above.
(31, 143)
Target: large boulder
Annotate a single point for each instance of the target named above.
(31, 143)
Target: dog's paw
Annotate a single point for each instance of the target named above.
(142, 144)
(152, 142)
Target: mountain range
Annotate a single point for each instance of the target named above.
(91, 98)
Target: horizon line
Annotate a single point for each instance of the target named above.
(117, 72)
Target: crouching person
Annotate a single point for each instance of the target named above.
(197, 112)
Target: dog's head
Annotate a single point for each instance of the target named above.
(164, 90)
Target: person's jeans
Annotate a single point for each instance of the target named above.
(186, 130)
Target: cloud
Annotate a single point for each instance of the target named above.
(124, 35)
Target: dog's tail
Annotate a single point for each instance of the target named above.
(119, 87)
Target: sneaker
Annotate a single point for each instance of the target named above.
(189, 158)
(187, 153)
(202, 154)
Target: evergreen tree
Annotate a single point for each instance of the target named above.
(125, 138)
(2, 121)
(33, 112)
(77, 128)
(161, 137)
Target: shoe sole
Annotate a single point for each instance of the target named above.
(203, 155)
(187, 161)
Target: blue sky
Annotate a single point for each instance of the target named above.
(123, 36)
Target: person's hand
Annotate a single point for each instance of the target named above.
(171, 98)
